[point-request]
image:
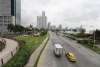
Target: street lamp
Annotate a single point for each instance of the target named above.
(94, 38)
(93, 35)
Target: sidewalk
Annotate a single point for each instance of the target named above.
(7, 53)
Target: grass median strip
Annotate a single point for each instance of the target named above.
(26, 49)
(41, 53)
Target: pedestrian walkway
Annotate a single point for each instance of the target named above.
(7, 53)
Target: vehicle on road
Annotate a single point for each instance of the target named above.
(71, 57)
(58, 50)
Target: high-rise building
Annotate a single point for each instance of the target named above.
(53, 27)
(9, 13)
(60, 27)
(42, 21)
(38, 22)
(18, 12)
(49, 25)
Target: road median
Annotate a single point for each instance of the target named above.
(36, 54)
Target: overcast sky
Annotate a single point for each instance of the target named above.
(71, 13)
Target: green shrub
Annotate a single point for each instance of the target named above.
(43, 33)
(2, 45)
(28, 45)
(90, 45)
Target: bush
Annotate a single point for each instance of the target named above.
(80, 35)
(86, 42)
(43, 33)
(28, 45)
(83, 41)
(2, 45)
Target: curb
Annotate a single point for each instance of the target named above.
(36, 54)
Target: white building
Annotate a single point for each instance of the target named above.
(53, 27)
(60, 27)
(49, 25)
(42, 21)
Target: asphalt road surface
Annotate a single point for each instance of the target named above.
(85, 57)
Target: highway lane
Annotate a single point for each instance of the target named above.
(85, 57)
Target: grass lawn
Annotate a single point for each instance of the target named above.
(26, 49)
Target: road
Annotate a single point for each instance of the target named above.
(85, 57)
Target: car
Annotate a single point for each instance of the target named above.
(71, 56)
(58, 50)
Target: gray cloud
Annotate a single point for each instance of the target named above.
(70, 13)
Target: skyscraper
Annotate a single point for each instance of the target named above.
(42, 21)
(49, 25)
(18, 12)
(9, 13)
(60, 27)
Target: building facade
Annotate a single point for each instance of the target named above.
(60, 27)
(49, 25)
(42, 21)
(53, 27)
(18, 12)
(7, 14)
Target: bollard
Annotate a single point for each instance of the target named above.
(2, 61)
(11, 53)
(16, 48)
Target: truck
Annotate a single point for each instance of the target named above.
(58, 50)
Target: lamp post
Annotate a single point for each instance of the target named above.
(93, 35)
(93, 39)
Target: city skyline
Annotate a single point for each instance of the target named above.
(73, 13)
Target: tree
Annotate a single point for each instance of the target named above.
(97, 34)
(19, 28)
(15, 28)
(82, 31)
(10, 27)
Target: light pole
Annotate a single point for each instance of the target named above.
(96, 16)
(94, 38)
(93, 35)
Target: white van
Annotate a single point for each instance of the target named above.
(58, 50)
